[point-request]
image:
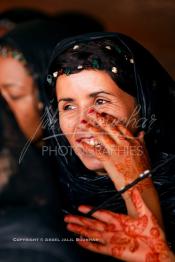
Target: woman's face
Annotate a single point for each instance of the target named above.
(77, 93)
(18, 89)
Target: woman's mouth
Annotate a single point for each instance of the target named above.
(89, 140)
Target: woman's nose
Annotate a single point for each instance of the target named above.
(83, 119)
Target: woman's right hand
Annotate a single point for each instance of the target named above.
(130, 239)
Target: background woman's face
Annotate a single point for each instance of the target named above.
(77, 93)
(18, 89)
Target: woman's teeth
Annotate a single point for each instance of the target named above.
(91, 142)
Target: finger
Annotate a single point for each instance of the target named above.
(102, 137)
(107, 145)
(141, 136)
(98, 152)
(114, 123)
(107, 123)
(85, 232)
(125, 132)
(138, 203)
(102, 215)
(93, 246)
(102, 118)
(108, 160)
(83, 221)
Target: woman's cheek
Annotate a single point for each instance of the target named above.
(66, 125)
(63, 125)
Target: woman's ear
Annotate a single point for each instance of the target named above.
(40, 105)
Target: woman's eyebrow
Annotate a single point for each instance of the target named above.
(67, 99)
(94, 94)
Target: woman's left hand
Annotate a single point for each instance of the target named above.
(124, 157)
(121, 236)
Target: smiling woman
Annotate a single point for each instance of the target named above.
(97, 81)
(106, 97)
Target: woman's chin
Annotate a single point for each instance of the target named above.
(89, 160)
(92, 163)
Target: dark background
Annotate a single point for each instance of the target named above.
(151, 22)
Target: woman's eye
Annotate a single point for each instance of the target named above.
(16, 97)
(68, 107)
(101, 101)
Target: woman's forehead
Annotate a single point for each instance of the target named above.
(88, 84)
(93, 80)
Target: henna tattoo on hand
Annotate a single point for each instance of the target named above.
(123, 155)
(137, 239)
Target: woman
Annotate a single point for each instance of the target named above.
(109, 90)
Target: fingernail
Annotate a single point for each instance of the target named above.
(83, 121)
(90, 111)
